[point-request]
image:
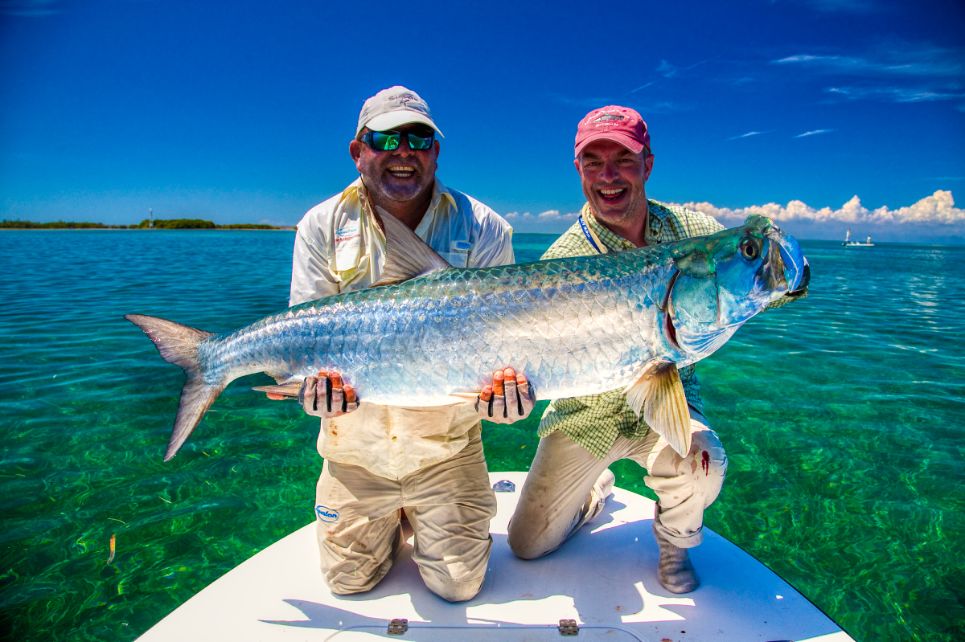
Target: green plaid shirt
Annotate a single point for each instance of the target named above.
(596, 421)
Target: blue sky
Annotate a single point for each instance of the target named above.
(242, 111)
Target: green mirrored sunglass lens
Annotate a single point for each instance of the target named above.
(383, 141)
(420, 142)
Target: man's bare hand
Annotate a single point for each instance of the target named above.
(509, 398)
(325, 395)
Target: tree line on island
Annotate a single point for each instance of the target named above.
(146, 224)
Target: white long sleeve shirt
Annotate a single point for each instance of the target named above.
(339, 247)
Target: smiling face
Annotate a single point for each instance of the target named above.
(613, 180)
(400, 176)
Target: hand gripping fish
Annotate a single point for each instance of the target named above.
(576, 326)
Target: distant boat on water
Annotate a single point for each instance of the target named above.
(849, 243)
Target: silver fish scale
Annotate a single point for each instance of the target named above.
(575, 326)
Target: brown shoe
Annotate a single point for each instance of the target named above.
(674, 570)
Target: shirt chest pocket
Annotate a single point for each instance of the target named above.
(348, 249)
(458, 254)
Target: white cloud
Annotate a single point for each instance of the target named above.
(642, 87)
(934, 217)
(824, 62)
(939, 208)
(894, 94)
(547, 218)
(863, 66)
(915, 61)
(813, 132)
(666, 69)
(745, 135)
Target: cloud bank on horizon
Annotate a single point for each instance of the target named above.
(935, 215)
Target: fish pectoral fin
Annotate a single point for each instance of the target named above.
(289, 389)
(659, 395)
(406, 255)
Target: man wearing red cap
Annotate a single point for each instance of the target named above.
(569, 479)
(383, 462)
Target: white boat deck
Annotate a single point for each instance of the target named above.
(604, 578)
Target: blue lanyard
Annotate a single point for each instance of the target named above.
(589, 237)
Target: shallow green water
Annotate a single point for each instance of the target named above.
(842, 416)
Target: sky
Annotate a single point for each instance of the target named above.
(825, 114)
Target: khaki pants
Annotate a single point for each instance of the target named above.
(448, 504)
(559, 495)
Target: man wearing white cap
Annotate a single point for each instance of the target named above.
(381, 461)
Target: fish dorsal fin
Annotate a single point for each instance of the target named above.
(659, 393)
(406, 255)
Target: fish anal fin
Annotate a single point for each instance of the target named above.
(658, 393)
(406, 255)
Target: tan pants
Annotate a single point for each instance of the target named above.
(448, 504)
(559, 495)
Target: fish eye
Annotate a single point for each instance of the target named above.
(750, 248)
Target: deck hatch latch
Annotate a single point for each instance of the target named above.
(398, 626)
(569, 627)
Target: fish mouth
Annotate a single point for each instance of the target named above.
(802, 289)
(669, 330)
(787, 269)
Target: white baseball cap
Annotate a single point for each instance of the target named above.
(394, 107)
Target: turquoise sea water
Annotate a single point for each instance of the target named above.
(842, 416)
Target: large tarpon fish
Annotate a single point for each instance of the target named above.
(575, 326)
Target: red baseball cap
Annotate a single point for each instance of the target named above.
(620, 124)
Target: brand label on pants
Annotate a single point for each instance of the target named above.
(326, 514)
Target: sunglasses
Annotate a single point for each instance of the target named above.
(419, 139)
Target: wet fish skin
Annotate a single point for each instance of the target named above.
(575, 326)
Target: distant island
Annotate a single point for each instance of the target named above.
(146, 224)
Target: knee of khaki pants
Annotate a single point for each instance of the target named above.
(347, 572)
(713, 464)
(524, 545)
(450, 589)
(686, 486)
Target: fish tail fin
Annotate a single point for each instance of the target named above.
(178, 344)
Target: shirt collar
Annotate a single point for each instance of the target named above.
(659, 228)
(612, 241)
